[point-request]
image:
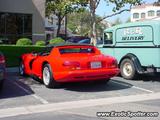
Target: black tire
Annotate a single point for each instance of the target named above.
(21, 69)
(48, 82)
(128, 70)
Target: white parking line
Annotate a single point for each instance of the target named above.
(43, 101)
(139, 88)
(143, 89)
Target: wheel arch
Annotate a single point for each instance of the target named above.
(52, 83)
(135, 61)
(44, 63)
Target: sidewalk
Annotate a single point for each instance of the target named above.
(132, 103)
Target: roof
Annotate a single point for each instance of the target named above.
(142, 6)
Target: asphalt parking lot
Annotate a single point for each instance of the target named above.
(24, 91)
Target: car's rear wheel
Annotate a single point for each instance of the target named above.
(21, 69)
(127, 69)
(48, 79)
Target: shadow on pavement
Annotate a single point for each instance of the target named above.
(95, 86)
(149, 78)
(13, 88)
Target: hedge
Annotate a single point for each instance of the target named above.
(12, 53)
(40, 43)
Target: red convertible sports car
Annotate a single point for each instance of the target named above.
(68, 63)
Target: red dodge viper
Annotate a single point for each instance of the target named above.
(68, 63)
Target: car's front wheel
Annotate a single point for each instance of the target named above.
(48, 79)
(21, 69)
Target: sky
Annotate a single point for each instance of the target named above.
(103, 9)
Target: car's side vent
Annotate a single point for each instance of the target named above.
(30, 64)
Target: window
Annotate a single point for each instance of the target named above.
(14, 26)
(76, 50)
(143, 15)
(158, 13)
(151, 13)
(135, 15)
(108, 38)
(27, 24)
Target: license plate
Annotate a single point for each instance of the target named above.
(96, 65)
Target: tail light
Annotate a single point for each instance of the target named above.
(112, 64)
(2, 59)
(72, 65)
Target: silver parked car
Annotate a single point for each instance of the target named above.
(2, 69)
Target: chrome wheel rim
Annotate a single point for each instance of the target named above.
(127, 69)
(46, 76)
(21, 69)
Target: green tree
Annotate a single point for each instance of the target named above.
(79, 23)
(63, 7)
(157, 3)
(128, 20)
(119, 7)
(117, 22)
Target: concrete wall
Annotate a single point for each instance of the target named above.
(34, 7)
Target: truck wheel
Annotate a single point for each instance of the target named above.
(48, 79)
(127, 69)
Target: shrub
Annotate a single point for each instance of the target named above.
(57, 40)
(40, 43)
(24, 41)
(12, 53)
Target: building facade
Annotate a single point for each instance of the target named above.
(145, 12)
(51, 26)
(22, 18)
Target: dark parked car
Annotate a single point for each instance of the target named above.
(85, 41)
(76, 39)
(88, 41)
(2, 69)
